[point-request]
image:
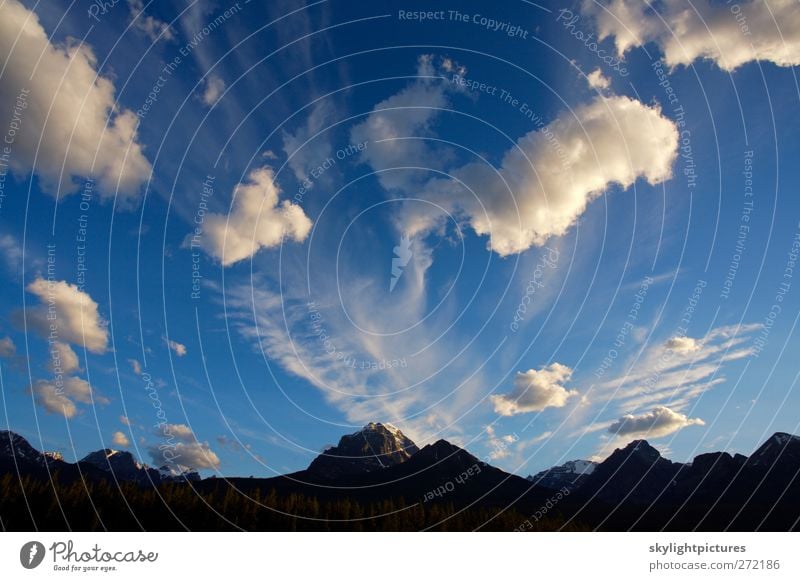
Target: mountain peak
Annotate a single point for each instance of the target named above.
(374, 447)
(12, 445)
(641, 449)
(779, 446)
(571, 475)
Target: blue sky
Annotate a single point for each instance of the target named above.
(250, 228)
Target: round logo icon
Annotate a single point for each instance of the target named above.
(31, 554)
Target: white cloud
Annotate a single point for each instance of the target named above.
(178, 348)
(659, 422)
(703, 29)
(136, 366)
(214, 87)
(63, 359)
(74, 314)
(7, 347)
(676, 371)
(151, 26)
(125, 420)
(309, 147)
(262, 317)
(596, 80)
(257, 220)
(408, 113)
(195, 455)
(544, 183)
(683, 344)
(120, 439)
(62, 399)
(547, 180)
(536, 390)
(69, 122)
(500, 445)
(180, 432)
(11, 251)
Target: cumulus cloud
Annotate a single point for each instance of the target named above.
(68, 121)
(214, 87)
(7, 348)
(257, 220)
(151, 26)
(659, 422)
(703, 29)
(195, 455)
(547, 180)
(62, 397)
(544, 182)
(72, 312)
(125, 420)
(596, 80)
(180, 432)
(535, 391)
(63, 359)
(178, 348)
(120, 439)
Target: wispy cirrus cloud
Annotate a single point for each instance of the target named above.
(674, 372)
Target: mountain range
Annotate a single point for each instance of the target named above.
(634, 488)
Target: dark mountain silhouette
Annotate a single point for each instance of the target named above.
(378, 479)
(636, 473)
(374, 447)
